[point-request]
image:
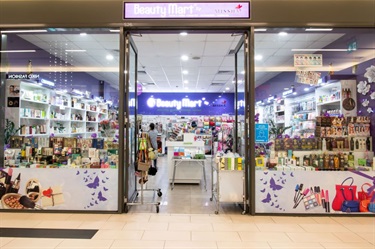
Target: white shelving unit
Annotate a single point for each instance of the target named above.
(42, 111)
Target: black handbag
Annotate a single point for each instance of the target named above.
(152, 171)
(349, 206)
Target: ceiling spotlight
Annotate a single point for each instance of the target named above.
(306, 89)
(109, 57)
(184, 57)
(294, 93)
(283, 33)
(183, 33)
(227, 88)
(186, 82)
(185, 72)
(83, 34)
(258, 57)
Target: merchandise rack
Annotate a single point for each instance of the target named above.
(140, 201)
(225, 186)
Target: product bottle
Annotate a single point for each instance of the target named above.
(16, 184)
(351, 159)
(324, 145)
(351, 144)
(346, 143)
(368, 143)
(357, 144)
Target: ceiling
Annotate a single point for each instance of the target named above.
(211, 59)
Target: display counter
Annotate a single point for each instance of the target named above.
(188, 171)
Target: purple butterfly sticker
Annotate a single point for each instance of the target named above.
(274, 186)
(267, 199)
(94, 184)
(101, 197)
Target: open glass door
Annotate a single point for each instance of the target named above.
(130, 118)
(241, 127)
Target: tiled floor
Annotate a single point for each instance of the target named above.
(187, 220)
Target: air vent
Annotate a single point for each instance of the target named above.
(231, 52)
(142, 73)
(217, 83)
(225, 72)
(148, 84)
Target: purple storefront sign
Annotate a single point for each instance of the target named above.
(194, 10)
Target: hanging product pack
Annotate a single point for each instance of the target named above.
(143, 160)
(342, 191)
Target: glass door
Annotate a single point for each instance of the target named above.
(130, 119)
(241, 126)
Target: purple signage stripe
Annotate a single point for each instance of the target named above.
(201, 10)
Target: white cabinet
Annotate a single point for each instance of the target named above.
(337, 98)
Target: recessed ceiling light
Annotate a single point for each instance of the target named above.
(243, 72)
(83, 34)
(185, 72)
(184, 57)
(260, 30)
(227, 88)
(258, 57)
(294, 93)
(186, 82)
(109, 57)
(318, 29)
(306, 89)
(18, 51)
(283, 33)
(183, 33)
(75, 50)
(114, 30)
(24, 31)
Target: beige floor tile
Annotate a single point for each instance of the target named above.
(345, 220)
(46, 216)
(360, 228)
(265, 237)
(4, 241)
(211, 219)
(84, 243)
(143, 226)
(350, 237)
(128, 244)
(190, 227)
(237, 218)
(330, 245)
(16, 222)
(28, 243)
(59, 224)
(138, 217)
(365, 220)
(292, 245)
(215, 236)
(293, 228)
(315, 237)
(90, 217)
(91, 224)
(167, 235)
(293, 220)
(368, 236)
(324, 228)
(190, 245)
(238, 227)
(324, 220)
(113, 225)
(169, 218)
(117, 234)
(242, 245)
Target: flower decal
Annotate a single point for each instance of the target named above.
(365, 103)
(369, 110)
(370, 74)
(363, 87)
(372, 95)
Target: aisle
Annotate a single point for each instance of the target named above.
(184, 198)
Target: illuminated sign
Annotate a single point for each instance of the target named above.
(195, 10)
(22, 76)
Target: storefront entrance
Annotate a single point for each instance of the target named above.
(217, 66)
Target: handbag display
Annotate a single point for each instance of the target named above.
(143, 163)
(371, 207)
(152, 171)
(349, 205)
(363, 205)
(363, 195)
(341, 190)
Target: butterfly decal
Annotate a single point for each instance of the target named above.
(94, 184)
(274, 186)
(85, 172)
(96, 202)
(267, 199)
(277, 206)
(291, 174)
(263, 190)
(93, 193)
(77, 173)
(272, 204)
(275, 195)
(103, 171)
(265, 172)
(105, 189)
(283, 173)
(101, 197)
(265, 183)
(283, 181)
(91, 204)
(261, 179)
(239, 6)
(103, 181)
(86, 179)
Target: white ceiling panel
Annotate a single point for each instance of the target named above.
(217, 48)
(212, 61)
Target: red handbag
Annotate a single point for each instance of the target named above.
(342, 193)
(363, 195)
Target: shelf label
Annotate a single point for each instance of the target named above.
(261, 133)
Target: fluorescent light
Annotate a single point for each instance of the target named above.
(318, 29)
(258, 57)
(183, 33)
(306, 89)
(186, 82)
(185, 72)
(283, 33)
(109, 57)
(321, 49)
(75, 50)
(260, 30)
(24, 31)
(184, 57)
(227, 88)
(83, 34)
(114, 30)
(17, 51)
